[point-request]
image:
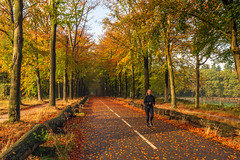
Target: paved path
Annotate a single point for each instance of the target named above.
(112, 131)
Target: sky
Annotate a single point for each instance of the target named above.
(95, 21)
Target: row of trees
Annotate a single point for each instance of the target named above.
(214, 82)
(36, 33)
(158, 43)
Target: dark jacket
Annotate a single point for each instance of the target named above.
(149, 101)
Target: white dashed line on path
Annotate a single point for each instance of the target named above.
(147, 141)
(126, 123)
(117, 115)
(150, 144)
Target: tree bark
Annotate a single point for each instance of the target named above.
(235, 48)
(15, 96)
(65, 73)
(65, 85)
(146, 73)
(166, 85)
(170, 68)
(82, 87)
(115, 88)
(105, 88)
(120, 85)
(59, 90)
(197, 82)
(52, 95)
(138, 93)
(228, 4)
(172, 85)
(126, 86)
(112, 89)
(75, 86)
(38, 84)
(71, 85)
(37, 72)
(133, 83)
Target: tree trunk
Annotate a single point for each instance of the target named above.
(15, 96)
(38, 85)
(133, 83)
(126, 86)
(37, 72)
(105, 88)
(120, 85)
(65, 85)
(59, 90)
(138, 93)
(166, 85)
(236, 56)
(65, 73)
(172, 85)
(71, 85)
(75, 86)
(197, 82)
(146, 73)
(228, 4)
(112, 89)
(52, 96)
(116, 88)
(79, 88)
(170, 68)
(82, 87)
(235, 48)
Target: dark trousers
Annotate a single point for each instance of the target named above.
(148, 110)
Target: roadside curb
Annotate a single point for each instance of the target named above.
(221, 129)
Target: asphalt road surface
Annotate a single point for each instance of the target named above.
(113, 131)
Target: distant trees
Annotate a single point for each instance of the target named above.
(219, 83)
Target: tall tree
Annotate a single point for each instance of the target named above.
(37, 71)
(126, 86)
(232, 8)
(169, 62)
(76, 24)
(15, 95)
(65, 72)
(53, 29)
(146, 72)
(166, 84)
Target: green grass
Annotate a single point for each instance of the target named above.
(226, 107)
(229, 110)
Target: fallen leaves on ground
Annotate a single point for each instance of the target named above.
(233, 142)
(10, 132)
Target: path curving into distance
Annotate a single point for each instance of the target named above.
(113, 131)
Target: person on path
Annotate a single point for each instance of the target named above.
(149, 102)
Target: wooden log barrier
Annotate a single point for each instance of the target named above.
(35, 136)
(221, 129)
